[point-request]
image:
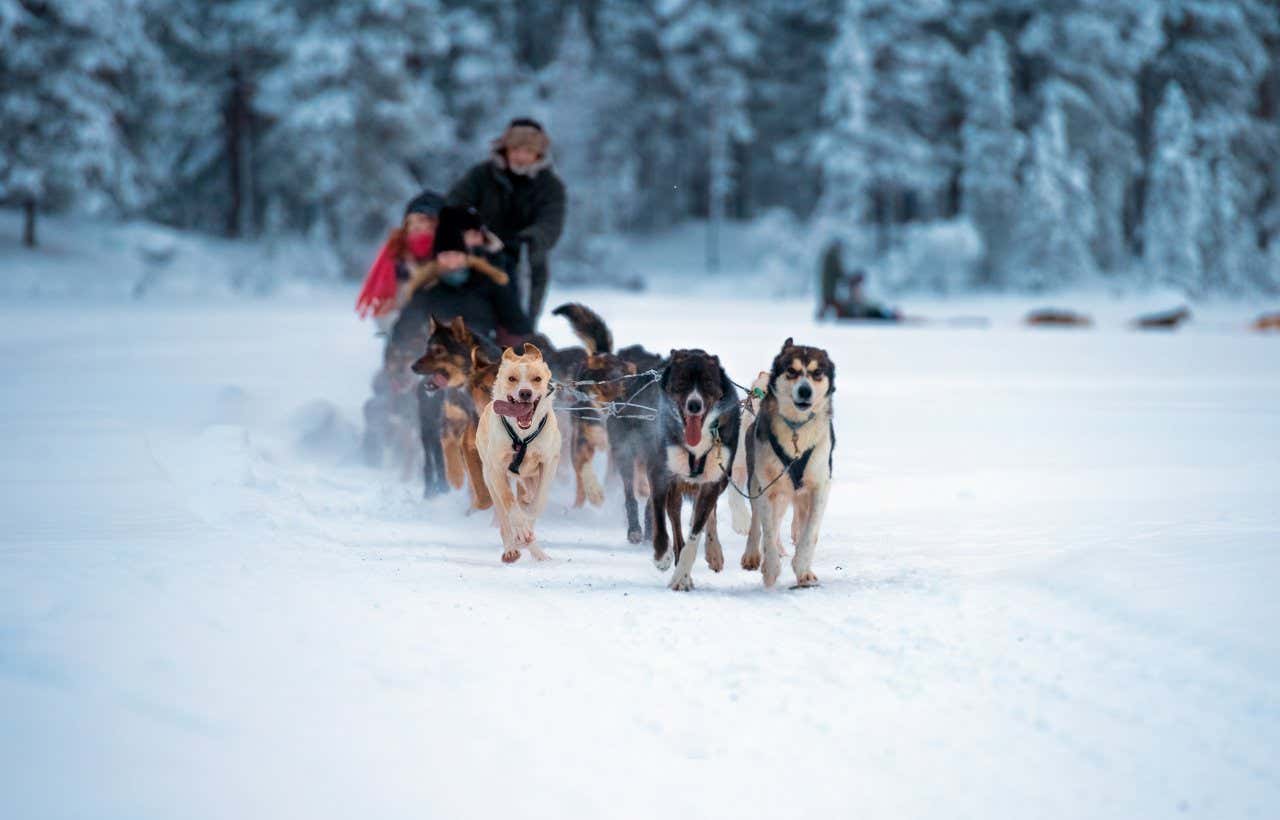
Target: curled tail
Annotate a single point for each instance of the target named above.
(587, 326)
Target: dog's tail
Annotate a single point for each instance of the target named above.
(587, 326)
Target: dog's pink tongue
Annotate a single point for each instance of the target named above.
(439, 380)
(507, 408)
(693, 430)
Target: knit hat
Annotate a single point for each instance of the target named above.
(454, 221)
(525, 132)
(428, 202)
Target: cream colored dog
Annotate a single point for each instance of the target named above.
(518, 439)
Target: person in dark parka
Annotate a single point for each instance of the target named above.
(520, 198)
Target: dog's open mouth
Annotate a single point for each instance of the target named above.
(803, 405)
(521, 411)
(435, 381)
(693, 429)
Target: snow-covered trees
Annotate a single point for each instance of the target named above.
(870, 117)
(842, 143)
(993, 148)
(1057, 219)
(1174, 209)
(64, 68)
(356, 122)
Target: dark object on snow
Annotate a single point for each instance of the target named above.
(841, 293)
(1267, 321)
(1056, 317)
(1164, 320)
(428, 202)
(525, 208)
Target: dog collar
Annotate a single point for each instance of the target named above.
(520, 446)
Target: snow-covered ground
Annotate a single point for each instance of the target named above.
(1049, 586)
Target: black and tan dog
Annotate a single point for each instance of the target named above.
(447, 366)
(691, 451)
(789, 456)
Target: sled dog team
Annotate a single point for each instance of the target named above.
(673, 428)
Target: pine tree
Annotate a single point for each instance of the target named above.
(993, 150)
(1174, 207)
(62, 81)
(355, 119)
(841, 145)
(1058, 220)
(1093, 53)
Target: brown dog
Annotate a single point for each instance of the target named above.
(519, 440)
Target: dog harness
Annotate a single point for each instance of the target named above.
(520, 446)
(795, 469)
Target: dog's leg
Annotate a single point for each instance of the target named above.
(480, 498)
(595, 440)
(803, 562)
(715, 554)
(657, 508)
(627, 472)
(687, 554)
(751, 555)
(512, 521)
(766, 510)
(741, 514)
(541, 493)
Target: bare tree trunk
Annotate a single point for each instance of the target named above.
(29, 223)
(235, 117)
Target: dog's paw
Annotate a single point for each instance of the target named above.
(663, 562)
(771, 569)
(538, 553)
(521, 528)
(510, 556)
(715, 557)
(681, 583)
(635, 536)
(595, 495)
(751, 561)
(806, 579)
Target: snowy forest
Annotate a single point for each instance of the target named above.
(1065, 140)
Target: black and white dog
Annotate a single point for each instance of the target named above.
(789, 450)
(691, 452)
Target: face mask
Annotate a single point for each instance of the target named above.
(456, 278)
(420, 244)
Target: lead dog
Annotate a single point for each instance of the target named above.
(789, 449)
(691, 451)
(519, 441)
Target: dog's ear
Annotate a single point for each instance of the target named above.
(831, 377)
(665, 380)
(431, 325)
(509, 355)
(531, 350)
(479, 358)
(788, 343)
(459, 328)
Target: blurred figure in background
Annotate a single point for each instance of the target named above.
(520, 197)
(841, 294)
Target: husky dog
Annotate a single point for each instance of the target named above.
(519, 440)
(691, 451)
(789, 449)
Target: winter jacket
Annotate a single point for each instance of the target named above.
(519, 209)
(482, 302)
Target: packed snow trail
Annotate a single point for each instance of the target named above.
(1048, 577)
